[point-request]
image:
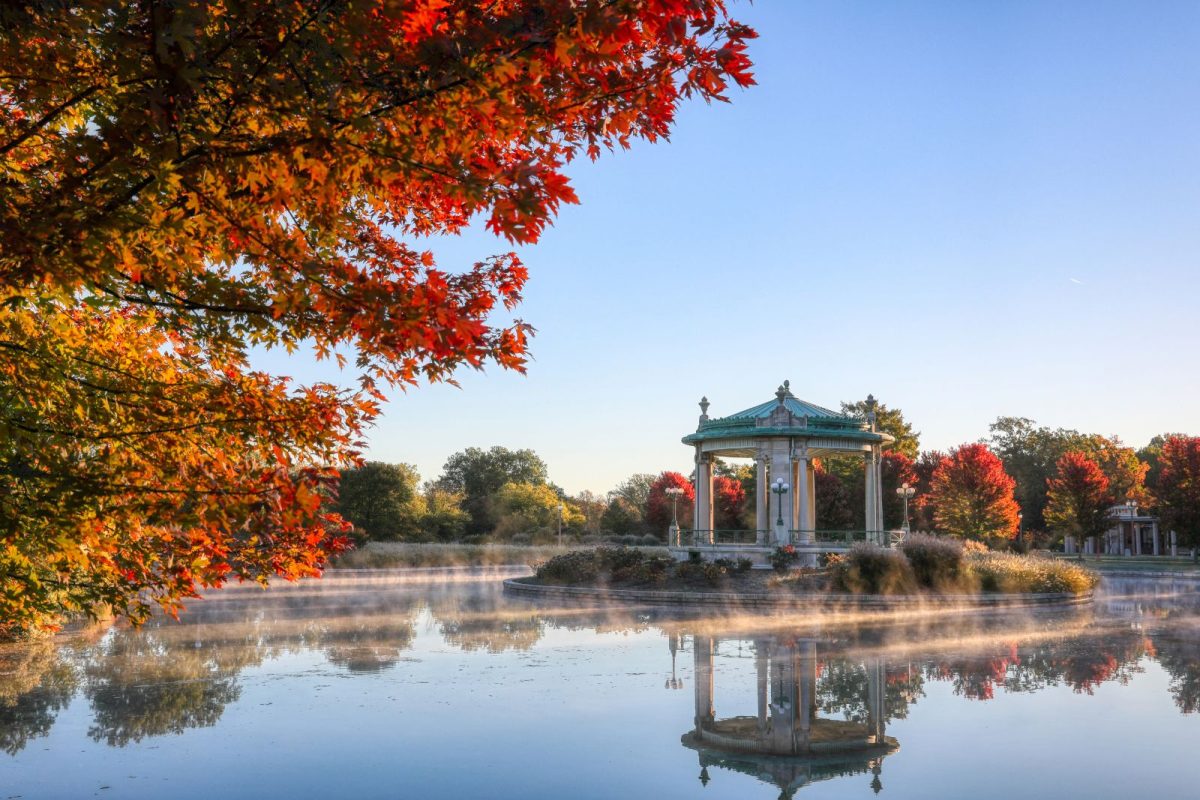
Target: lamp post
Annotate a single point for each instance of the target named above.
(674, 491)
(906, 492)
(1020, 527)
(779, 488)
(560, 510)
(1134, 533)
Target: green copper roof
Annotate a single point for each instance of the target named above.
(801, 408)
(786, 415)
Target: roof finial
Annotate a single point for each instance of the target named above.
(703, 409)
(783, 391)
(871, 404)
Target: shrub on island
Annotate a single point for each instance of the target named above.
(1016, 574)
(605, 565)
(921, 565)
(945, 566)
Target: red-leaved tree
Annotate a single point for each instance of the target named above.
(1078, 498)
(181, 182)
(659, 503)
(973, 495)
(1179, 488)
(924, 509)
(729, 498)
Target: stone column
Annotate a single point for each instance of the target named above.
(798, 521)
(1174, 545)
(1137, 538)
(804, 501)
(702, 520)
(762, 520)
(781, 467)
(879, 490)
(811, 521)
(871, 522)
(702, 652)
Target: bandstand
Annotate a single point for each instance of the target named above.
(787, 742)
(783, 436)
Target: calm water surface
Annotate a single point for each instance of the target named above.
(391, 685)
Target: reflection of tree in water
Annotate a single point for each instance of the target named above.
(35, 684)
(1081, 662)
(1180, 658)
(479, 630)
(367, 644)
(842, 689)
(150, 682)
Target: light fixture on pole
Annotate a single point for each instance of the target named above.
(674, 491)
(906, 492)
(779, 488)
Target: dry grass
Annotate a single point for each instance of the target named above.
(1016, 574)
(382, 555)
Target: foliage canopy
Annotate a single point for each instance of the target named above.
(180, 182)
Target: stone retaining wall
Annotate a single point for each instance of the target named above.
(780, 600)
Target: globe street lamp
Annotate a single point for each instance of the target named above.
(906, 492)
(779, 488)
(674, 491)
(673, 533)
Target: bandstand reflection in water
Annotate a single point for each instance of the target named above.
(787, 742)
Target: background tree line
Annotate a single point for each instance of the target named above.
(1022, 486)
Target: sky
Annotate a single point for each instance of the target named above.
(967, 209)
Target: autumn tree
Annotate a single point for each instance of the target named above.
(1150, 455)
(1179, 488)
(478, 474)
(635, 490)
(729, 502)
(891, 421)
(531, 508)
(895, 470)
(382, 500)
(181, 182)
(443, 518)
(1031, 453)
(1079, 497)
(660, 504)
(924, 510)
(834, 508)
(621, 518)
(973, 495)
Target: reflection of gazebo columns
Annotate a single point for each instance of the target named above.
(702, 647)
(787, 743)
(876, 708)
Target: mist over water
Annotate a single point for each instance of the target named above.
(433, 683)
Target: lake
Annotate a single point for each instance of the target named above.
(418, 684)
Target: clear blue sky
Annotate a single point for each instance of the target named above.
(968, 209)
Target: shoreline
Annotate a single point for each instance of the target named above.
(781, 601)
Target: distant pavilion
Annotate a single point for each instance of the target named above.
(783, 436)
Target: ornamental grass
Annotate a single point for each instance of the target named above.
(1016, 574)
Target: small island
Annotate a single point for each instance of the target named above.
(923, 570)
